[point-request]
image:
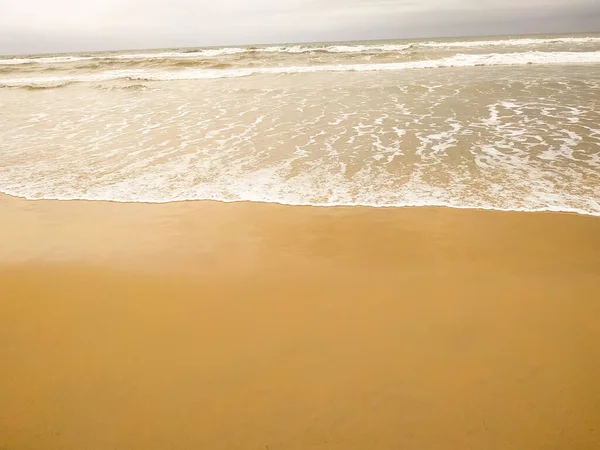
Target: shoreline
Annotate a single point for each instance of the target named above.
(550, 210)
(83, 228)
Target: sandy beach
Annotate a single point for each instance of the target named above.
(204, 325)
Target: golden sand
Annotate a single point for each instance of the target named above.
(249, 326)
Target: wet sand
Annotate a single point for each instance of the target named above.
(202, 325)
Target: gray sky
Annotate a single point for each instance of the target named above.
(32, 26)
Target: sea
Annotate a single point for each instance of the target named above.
(504, 123)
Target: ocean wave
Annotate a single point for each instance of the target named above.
(339, 48)
(520, 42)
(8, 69)
(460, 60)
(37, 86)
(44, 60)
(127, 87)
(182, 64)
(211, 53)
(300, 49)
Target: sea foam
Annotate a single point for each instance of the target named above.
(333, 48)
(460, 60)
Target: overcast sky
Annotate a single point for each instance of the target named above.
(35, 26)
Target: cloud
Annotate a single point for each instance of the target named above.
(42, 25)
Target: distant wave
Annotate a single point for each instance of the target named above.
(357, 48)
(8, 69)
(41, 86)
(460, 60)
(209, 53)
(511, 42)
(44, 60)
(130, 87)
(192, 63)
(339, 49)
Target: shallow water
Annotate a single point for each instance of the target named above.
(506, 123)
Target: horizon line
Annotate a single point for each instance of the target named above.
(2, 54)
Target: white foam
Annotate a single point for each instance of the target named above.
(460, 60)
(48, 60)
(179, 55)
(521, 42)
(323, 185)
(357, 48)
(210, 53)
(341, 48)
(125, 56)
(255, 199)
(394, 145)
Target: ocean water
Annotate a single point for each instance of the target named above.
(507, 123)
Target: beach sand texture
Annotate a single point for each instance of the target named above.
(205, 325)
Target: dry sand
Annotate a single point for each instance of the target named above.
(249, 326)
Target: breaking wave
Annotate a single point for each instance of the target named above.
(355, 48)
(460, 60)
